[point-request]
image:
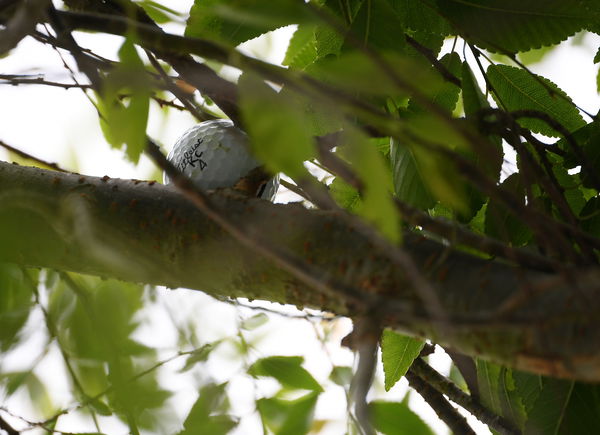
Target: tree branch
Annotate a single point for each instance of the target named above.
(145, 232)
(444, 386)
(445, 411)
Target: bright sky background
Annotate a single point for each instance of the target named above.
(61, 126)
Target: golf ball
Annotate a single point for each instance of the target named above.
(214, 154)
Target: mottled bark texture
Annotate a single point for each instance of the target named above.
(146, 232)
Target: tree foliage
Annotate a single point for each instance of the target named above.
(420, 231)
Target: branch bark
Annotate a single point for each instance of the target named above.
(145, 232)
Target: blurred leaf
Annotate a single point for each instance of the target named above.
(208, 412)
(396, 418)
(288, 417)
(344, 194)
(590, 217)
(276, 127)
(200, 355)
(357, 73)
(16, 301)
(446, 96)
(36, 390)
(535, 55)
(12, 381)
(236, 21)
(377, 205)
(254, 322)
(124, 122)
(134, 397)
(514, 25)
(341, 375)
(398, 353)
(38, 394)
(287, 370)
(500, 222)
(158, 12)
(517, 89)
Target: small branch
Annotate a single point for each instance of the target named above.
(30, 157)
(431, 57)
(175, 90)
(15, 80)
(446, 412)
(444, 386)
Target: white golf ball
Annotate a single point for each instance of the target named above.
(214, 154)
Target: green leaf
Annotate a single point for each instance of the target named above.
(341, 375)
(499, 393)
(200, 355)
(590, 217)
(588, 141)
(515, 25)
(288, 417)
(500, 222)
(377, 205)
(124, 122)
(254, 322)
(302, 49)
(535, 55)
(398, 353)
(276, 126)
(356, 73)
(36, 390)
(208, 412)
(517, 89)
(344, 194)
(473, 98)
(420, 17)
(378, 24)
(446, 96)
(237, 21)
(159, 13)
(409, 179)
(396, 418)
(16, 301)
(287, 370)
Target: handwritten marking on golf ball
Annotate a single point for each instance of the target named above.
(192, 157)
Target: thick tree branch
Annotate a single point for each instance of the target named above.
(145, 232)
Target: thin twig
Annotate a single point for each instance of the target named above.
(15, 80)
(185, 99)
(31, 157)
(431, 57)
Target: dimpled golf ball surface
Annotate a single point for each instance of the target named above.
(214, 154)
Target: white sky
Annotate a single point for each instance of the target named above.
(61, 126)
